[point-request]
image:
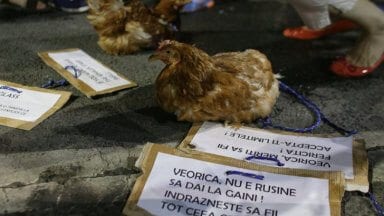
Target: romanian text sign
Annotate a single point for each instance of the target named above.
(186, 186)
(314, 153)
(20, 105)
(76, 65)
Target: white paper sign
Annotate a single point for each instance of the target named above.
(184, 186)
(23, 104)
(313, 153)
(88, 70)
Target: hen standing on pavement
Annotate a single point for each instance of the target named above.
(234, 87)
(125, 28)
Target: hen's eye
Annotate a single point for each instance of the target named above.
(168, 51)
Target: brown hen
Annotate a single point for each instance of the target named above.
(125, 28)
(234, 87)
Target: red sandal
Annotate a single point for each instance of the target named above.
(304, 33)
(342, 68)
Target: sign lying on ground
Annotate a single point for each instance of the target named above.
(84, 72)
(24, 107)
(175, 183)
(292, 150)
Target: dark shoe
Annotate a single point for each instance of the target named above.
(71, 6)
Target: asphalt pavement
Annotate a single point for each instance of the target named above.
(130, 118)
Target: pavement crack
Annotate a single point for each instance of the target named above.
(16, 185)
(5, 194)
(376, 148)
(103, 158)
(117, 171)
(59, 174)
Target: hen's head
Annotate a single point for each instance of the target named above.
(173, 52)
(168, 51)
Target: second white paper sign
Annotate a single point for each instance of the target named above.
(313, 153)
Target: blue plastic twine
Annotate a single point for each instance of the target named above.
(379, 209)
(250, 175)
(77, 72)
(265, 158)
(53, 84)
(267, 122)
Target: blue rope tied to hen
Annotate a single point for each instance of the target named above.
(320, 117)
(379, 209)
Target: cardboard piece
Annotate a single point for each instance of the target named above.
(84, 72)
(336, 150)
(175, 182)
(25, 107)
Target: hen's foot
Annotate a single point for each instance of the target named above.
(235, 126)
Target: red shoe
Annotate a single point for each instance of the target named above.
(304, 33)
(342, 68)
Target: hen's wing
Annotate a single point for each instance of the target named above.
(250, 65)
(254, 84)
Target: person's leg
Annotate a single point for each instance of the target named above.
(368, 53)
(315, 15)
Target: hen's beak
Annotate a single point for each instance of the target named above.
(155, 56)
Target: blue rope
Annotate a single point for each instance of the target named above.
(265, 158)
(250, 175)
(77, 72)
(320, 117)
(53, 84)
(379, 209)
(11, 89)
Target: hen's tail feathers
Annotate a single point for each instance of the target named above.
(107, 16)
(131, 41)
(137, 32)
(101, 6)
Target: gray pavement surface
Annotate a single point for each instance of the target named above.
(35, 182)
